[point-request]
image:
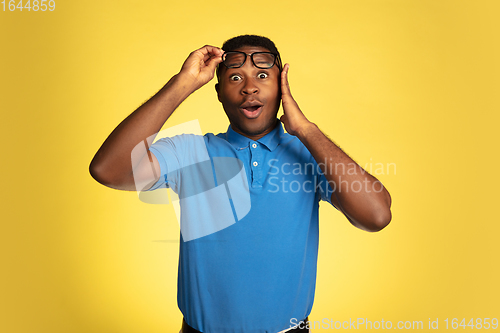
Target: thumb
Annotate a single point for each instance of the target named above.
(214, 62)
(283, 119)
(215, 59)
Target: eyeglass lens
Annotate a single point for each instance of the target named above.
(260, 59)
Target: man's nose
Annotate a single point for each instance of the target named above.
(250, 88)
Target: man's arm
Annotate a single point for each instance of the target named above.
(360, 196)
(112, 164)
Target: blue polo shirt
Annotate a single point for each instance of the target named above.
(253, 267)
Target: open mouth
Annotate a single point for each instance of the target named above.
(251, 109)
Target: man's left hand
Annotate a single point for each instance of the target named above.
(294, 120)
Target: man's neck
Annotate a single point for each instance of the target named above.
(256, 136)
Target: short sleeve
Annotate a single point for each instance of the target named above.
(174, 154)
(324, 188)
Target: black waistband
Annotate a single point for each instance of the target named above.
(188, 329)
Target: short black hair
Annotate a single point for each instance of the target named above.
(250, 40)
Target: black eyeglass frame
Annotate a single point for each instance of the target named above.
(276, 58)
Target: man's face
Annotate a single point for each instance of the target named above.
(250, 96)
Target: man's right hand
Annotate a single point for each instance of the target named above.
(200, 65)
(112, 164)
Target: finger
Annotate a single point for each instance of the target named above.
(216, 56)
(211, 51)
(209, 58)
(208, 49)
(285, 87)
(214, 60)
(207, 52)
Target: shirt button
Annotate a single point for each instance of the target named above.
(255, 163)
(254, 145)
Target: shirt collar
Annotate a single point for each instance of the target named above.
(271, 140)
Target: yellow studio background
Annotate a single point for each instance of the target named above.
(411, 86)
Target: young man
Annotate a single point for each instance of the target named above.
(258, 272)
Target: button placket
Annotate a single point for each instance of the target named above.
(256, 156)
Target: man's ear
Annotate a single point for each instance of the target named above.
(217, 89)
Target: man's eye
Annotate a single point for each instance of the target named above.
(235, 77)
(262, 75)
